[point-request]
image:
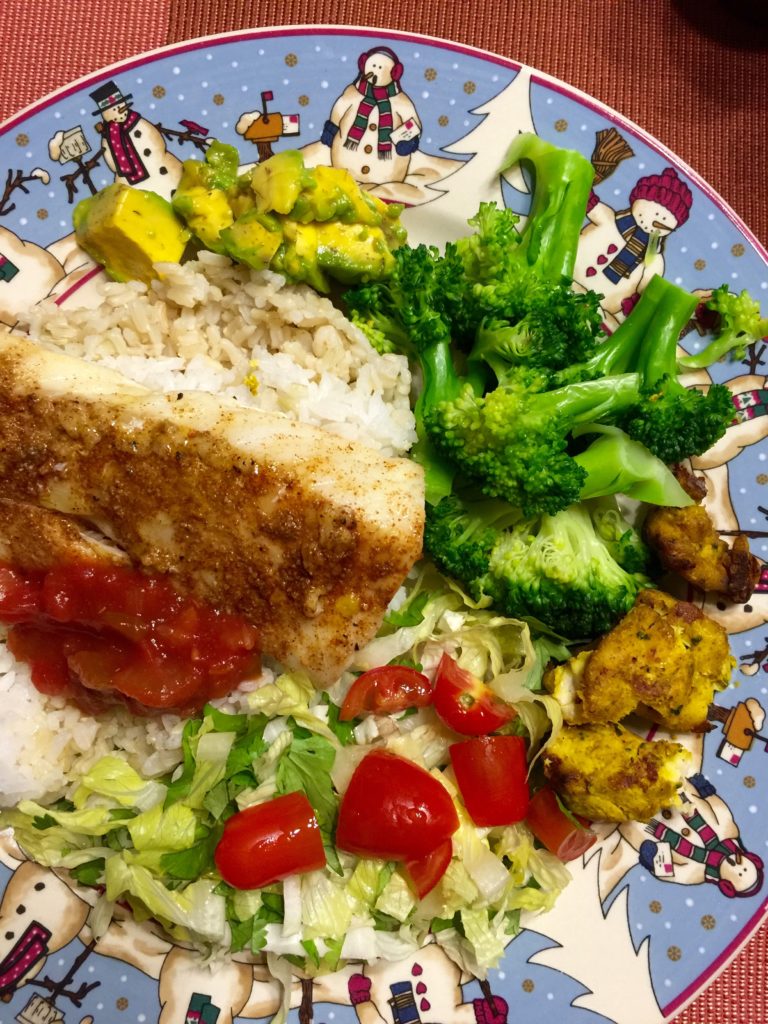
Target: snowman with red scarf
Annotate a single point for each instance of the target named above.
(373, 129)
(700, 842)
(133, 148)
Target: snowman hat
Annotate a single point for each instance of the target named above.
(668, 190)
(397, 67)
(108, 95)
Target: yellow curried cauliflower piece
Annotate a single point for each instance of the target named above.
(688, 544)
(607, 773)
(664, 661)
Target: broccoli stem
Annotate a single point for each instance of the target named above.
(645, 341)
(673, 311)
(615, 464)
(440, 382)
(588, 400)
(716, 350)
(562, 183)
(618, 354)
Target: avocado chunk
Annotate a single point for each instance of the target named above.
(312, 224)
(202, 195)
(206, 211)
(297, 256)
(353, 253)
(333, 194)
(222, 165)
(252, 239)
(277, 183)
(127, 230)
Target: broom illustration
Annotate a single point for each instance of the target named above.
(610, 149)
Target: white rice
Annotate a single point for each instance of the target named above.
(48, 743)
(212, 325)
(208, 326)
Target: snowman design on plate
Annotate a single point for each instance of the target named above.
(374, 131)
(134, 148)
(701, 843)
(621, 251)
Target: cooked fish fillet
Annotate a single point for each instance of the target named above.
(307, 535)
(33, 538)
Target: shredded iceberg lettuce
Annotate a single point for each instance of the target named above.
(150, 843)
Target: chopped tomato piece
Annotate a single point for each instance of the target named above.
(559, 833)
(394, 809)
(491, 772)
(45, 653)
(270, 841)
(465, 703)
(385, 690)
(102, 635)
(425, 872)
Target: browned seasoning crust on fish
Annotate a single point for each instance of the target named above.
(32, 538)
(290, 535)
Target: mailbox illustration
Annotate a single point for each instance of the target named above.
(267, 127)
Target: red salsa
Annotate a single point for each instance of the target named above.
(103, 635)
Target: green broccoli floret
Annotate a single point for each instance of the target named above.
(514, 440)
(624, 543)
(553, 329)
(488, 250)
(673, 421)
(405, 314)
(461, 541)
(518, 302)
(739, 323)
(517, 441)
(558, 571)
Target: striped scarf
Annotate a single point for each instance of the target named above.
(750, 404)
(711, 854)
(374, 97)
(634, 251)
(29, 949)
(128, 163)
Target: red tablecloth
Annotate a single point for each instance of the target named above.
(692, 72)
